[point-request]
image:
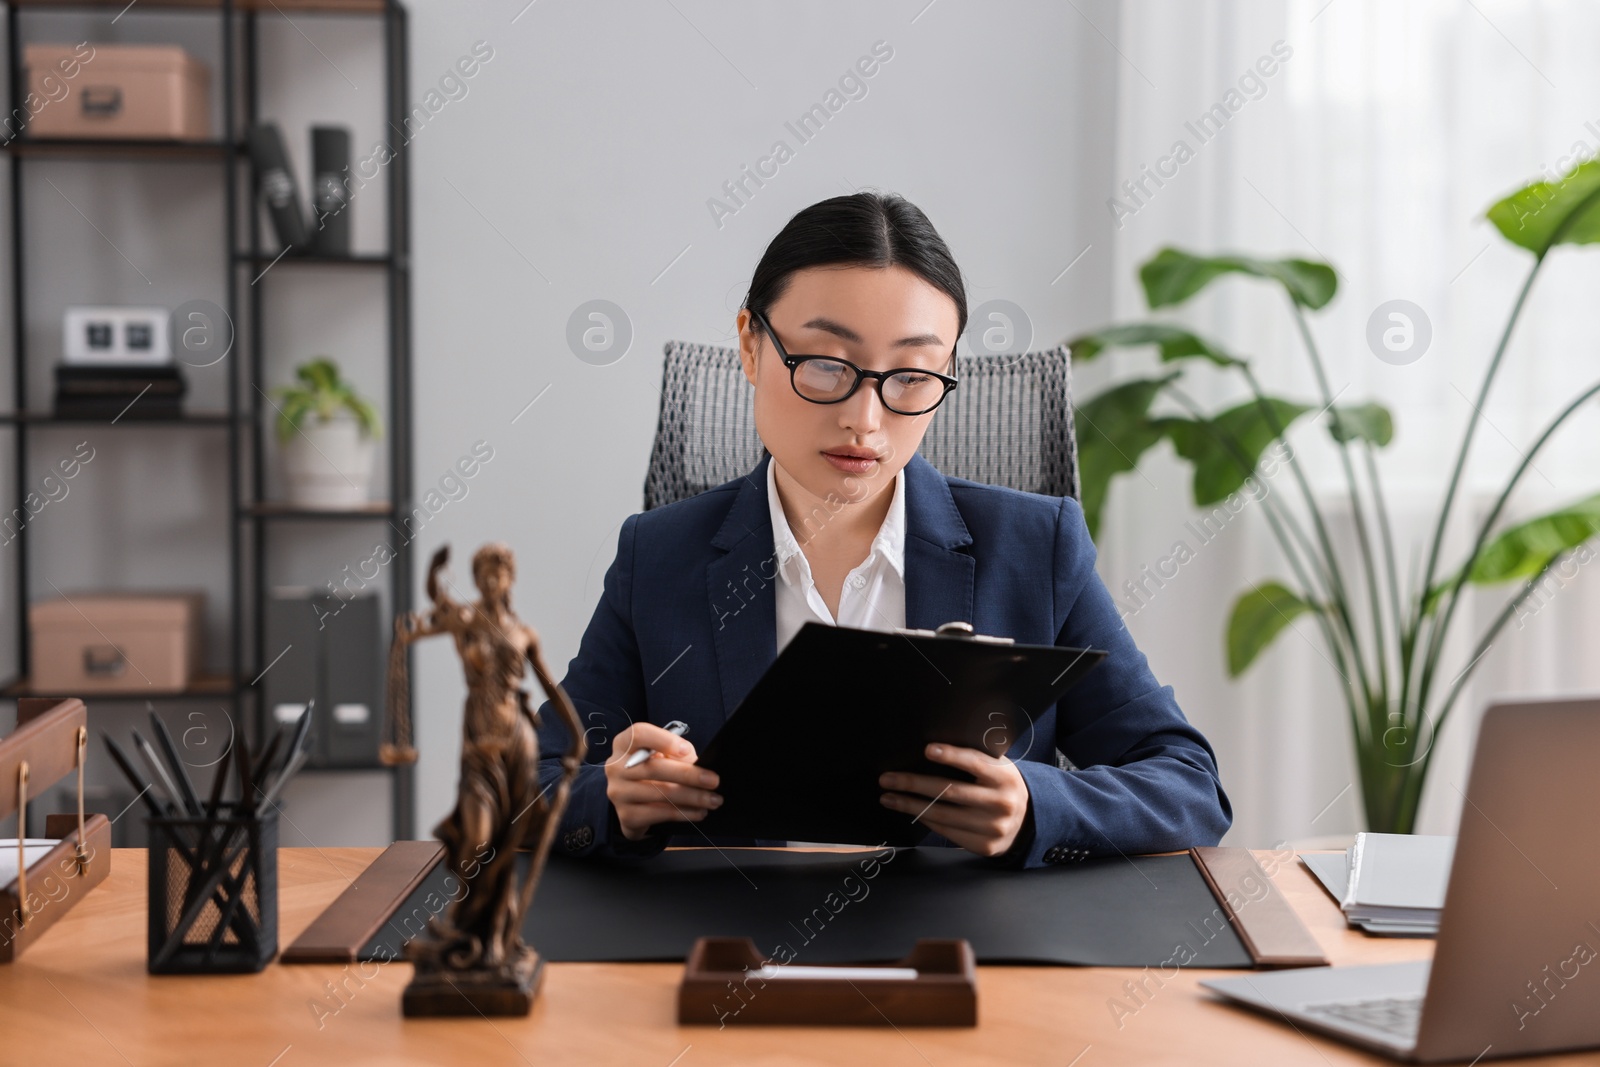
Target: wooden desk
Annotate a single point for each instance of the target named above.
(81, 996)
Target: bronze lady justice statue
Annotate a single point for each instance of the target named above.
(472, 957)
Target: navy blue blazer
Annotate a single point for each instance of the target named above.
(687, 623)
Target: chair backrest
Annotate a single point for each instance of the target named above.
(1008, 423)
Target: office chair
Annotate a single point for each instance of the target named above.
(1008, 423)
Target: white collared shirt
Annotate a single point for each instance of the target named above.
(874, 593)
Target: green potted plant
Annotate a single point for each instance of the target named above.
(327, 432)
(1384, 637)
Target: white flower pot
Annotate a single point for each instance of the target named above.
(327, 466)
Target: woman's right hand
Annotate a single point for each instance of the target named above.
(667, 787)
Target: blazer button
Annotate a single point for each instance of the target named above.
(579, 839)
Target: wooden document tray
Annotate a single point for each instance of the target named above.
(716, 988)
(49, 743)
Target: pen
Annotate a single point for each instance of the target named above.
(159, 775)
(268, 754)
(674, 727)
(302, 730)
(146, 792)
(218, 783)
(188, 798)
(270, 794)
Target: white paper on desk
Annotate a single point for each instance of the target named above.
(848, 973)
(1397, 877)
(35, 849)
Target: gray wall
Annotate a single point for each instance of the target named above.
(576, 164)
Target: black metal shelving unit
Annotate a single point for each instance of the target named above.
(251, 519)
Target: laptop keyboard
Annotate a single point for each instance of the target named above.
(1393, 1015)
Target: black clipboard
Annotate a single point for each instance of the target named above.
(799, 758)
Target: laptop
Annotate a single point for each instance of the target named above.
(1516, 968)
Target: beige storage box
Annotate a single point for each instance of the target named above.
(130, 91)
(137, 642)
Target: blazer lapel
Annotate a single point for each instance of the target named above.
(739, 583)
(939, 576)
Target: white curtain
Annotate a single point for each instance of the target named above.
(1379, 137)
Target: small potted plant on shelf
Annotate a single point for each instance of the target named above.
(327, 432)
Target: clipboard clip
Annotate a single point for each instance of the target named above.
(956, 629)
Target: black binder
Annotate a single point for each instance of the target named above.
(330, 189)
(799, 759)
(353, 686)
(327, 648)
(291, 681)
(276, 186)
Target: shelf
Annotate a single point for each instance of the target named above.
(373, 259)
(202, 687)
(272, 509)
(93, 148)
(191, 418)
(314, 768)
(301, 7)
(240, 71)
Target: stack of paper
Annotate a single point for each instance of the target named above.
(35, 849)
(1389, 884)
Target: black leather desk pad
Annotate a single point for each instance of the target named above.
(1153, 911)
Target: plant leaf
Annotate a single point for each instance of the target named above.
(297, 402)
(1175, 343)
(1370, 422)
(1217, 470)
(323, 392)
(1522, 551)
(322, 374)
(1114, 429)
(1530, 216)
(365, 415)
(1258, 617)
(1173, 276)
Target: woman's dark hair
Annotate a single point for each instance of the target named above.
(860, 230)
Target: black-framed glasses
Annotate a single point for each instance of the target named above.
(830, 380)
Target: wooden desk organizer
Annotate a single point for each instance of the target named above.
(49, 743)
(716, 989)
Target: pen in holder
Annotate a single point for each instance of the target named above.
(213, 863)
(214, 892)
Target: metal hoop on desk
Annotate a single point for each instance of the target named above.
(81, 851)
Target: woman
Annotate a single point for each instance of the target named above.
(844, 523)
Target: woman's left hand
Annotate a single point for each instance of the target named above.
(982, 816)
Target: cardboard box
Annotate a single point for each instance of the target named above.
(137, 642)
(126, 91)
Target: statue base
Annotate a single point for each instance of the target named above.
(506, 990)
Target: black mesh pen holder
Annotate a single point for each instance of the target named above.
(213, 893)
